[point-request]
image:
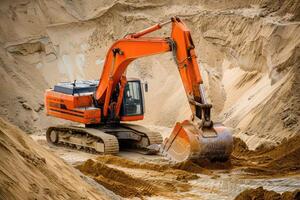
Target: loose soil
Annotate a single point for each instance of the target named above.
(126, 177)
(29, 171)
(268, 160)
(252, 81)
(261, 193)
(129, 178)
(117, 181)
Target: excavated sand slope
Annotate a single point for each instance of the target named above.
(248, 52)
(28, 171)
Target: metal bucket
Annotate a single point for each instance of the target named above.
(189, 142)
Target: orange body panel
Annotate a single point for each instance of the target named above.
(132, 118)
(70, 101)
(73, 108)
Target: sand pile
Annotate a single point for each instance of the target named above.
(129, 178)
(117, 180)
(151, 177)
(187, 166)
(28, 171)
(269, 160)
(262, 194)
(239, 147)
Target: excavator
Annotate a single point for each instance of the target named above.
(108, 106)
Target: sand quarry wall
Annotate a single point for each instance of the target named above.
(29, 171)
(248, 52)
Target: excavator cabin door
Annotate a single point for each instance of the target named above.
(132, 108)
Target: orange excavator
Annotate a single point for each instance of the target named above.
(105, 106)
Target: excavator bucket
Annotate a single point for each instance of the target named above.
(189, 142)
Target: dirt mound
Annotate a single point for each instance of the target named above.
(182, 171)
(284, 158)
(265, 160)
(239, 147)
(28, 171)
(191, 166)
(188, 166)
(131, 179)
(117, 180)
(262, 194)
(123, 162)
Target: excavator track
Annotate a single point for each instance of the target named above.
(154, 138)
(151, 136)
(104, 140)
(87, 139)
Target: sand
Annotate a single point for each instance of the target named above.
(268, 160)
(28, 171)
(254, 64)
(123, 175)
(129, 178)
(117, 180)
(141, 178)
(248, 51)
(260, 193)
(187, 166)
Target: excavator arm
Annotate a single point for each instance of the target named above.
(134, 46)
(120, 55)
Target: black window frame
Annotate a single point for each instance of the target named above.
(141, 98)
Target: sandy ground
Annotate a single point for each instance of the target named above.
(28, 171)
(262, 193)
(153, 177)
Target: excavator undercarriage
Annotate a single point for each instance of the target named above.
(103, 139)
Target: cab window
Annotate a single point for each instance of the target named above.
(132, 102)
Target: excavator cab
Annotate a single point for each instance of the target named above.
(133, 103)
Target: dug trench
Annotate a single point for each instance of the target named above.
(129, 178)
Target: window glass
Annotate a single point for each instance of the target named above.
(132, 99)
